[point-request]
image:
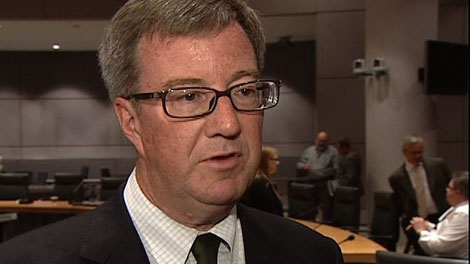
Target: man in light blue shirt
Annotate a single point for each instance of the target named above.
(319, 164)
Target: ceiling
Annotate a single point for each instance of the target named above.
(77, 25)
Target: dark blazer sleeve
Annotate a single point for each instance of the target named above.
(271, 239)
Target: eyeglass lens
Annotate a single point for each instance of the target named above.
(192, 102)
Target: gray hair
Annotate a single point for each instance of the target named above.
(411, 139)
(460, 179)
(169, 18)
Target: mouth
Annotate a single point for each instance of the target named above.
(223, 161)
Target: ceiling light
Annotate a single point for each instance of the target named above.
(55, 46)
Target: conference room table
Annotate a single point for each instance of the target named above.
(358, 250)
(17, 218)
(46, 207)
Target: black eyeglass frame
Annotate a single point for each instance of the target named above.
(162, 95)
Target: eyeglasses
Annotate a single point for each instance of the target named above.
(190, 102)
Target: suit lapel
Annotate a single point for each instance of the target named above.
(111, 236)
(429, 173)
(406, 183)
(261, 244)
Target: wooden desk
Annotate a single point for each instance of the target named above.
(48, 207)
(359, 250)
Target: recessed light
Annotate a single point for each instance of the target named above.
(55, 46)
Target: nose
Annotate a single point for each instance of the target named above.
(224, 120)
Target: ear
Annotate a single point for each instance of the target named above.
(129, 121)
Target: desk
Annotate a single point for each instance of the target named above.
(48, 207)
(36, 214)
(359, 250)
(85, 181)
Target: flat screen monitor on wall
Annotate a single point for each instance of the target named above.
(446, 68)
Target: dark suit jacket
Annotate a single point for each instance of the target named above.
(350, 170)
(438, 175)
(107, 235)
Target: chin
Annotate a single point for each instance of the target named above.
(224, 194)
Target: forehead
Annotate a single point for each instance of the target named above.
(322, 136)
(416, 146)
(196, 56)
(451, 183)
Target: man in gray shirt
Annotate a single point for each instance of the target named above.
(319, 164)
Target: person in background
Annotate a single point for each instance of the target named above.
(262, 194)
(319, 164)
(449, 238)
(419, 185)
(184, 77)
(349, 166)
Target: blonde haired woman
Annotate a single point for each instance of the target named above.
(262, 194)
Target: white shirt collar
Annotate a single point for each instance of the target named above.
(410, 166)
(165, 240)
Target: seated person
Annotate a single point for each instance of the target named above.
(449, 238)
(262, 194)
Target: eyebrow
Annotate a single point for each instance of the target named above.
(240, 74)
(181, 82)
(200, 82)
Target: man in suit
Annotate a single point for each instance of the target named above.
(183, 76)
(420, 187)
(349, 165)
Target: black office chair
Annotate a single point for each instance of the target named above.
(29, 173)
(389, 257)
(385, 226)
(109, 185)
(40, 178)
(85, 171)
(105, 172)
(302, 201)
(14, 185)
(68, 186)
(347, 209)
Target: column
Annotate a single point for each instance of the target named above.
(396, 104)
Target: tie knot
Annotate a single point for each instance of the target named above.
(205, 248)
